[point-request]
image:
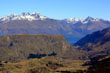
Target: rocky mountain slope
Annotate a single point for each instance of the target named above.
(97, 43)
(72, 28)
(25, 46)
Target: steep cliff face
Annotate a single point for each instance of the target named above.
(23, 46)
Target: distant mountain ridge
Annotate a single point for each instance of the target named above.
(23, 16)
(72, 28)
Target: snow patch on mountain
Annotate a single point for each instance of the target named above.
(73, 20)
(83, 21)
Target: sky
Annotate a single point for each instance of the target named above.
(58, 9)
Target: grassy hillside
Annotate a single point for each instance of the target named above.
(23, 46)
(43, 65)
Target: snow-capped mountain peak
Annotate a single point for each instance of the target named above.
(35, 13)
(83, 21)
(23, 16)
(89, 19)
(25, 13)
(73, 20)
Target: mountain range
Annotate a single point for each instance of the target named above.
(33, 43)
(72, 28)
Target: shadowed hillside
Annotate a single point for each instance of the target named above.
(100, 65)
(97, 43)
